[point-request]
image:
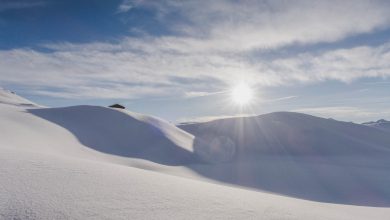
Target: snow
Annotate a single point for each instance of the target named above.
(301, 156)
(123, 133)
(90, 162)
(288, 133)
(39, 186)
(9, 97)
(380, 124)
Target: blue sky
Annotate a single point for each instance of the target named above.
(179, 59)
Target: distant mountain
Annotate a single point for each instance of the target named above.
(380, 124)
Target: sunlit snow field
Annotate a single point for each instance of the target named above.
(91, 162)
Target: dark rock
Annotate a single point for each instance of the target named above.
(117, 106)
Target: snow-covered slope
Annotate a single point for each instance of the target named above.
(298, 155)
(123, 133)
(83, 131)
(83, 162)
(35, 185)
(291, 133)
(9, 97)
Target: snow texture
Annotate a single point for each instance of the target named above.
(90, 162)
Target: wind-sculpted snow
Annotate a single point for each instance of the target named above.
(35, 185)
(214, 149)
(90, 162)
(119, 132)
(301, 156)
(287, 133)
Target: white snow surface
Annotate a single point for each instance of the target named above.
(9, 97)
(90, 162)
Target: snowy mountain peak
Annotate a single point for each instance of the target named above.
(376, 122)
(381, 124)
(382, 121)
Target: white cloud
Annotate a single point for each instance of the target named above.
(125, 6)
(147, 67)
(280, 99)
(340, 64)
(212, 49)
(193, 94)
(246, 25)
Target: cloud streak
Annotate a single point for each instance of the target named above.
(212, 47)
(148, 68)
(247, 25)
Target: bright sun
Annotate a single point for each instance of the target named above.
(242, 94)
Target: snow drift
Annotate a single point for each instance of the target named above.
(83, 162)
(298, 155)
(288, 133)
(123, 133)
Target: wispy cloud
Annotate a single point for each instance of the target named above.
(145, 63)
(213, 47)
(247, 25)
(193, 94)
(126, 6)
(280, 99)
